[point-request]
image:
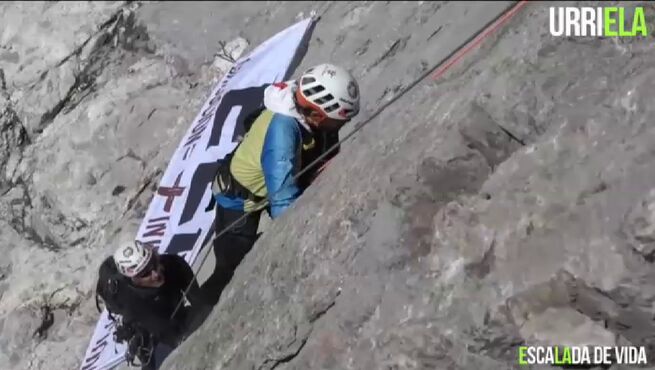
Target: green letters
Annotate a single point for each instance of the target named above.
(608, 21)
(522, 360)
(622, 31)
(639, 22)
(566, 358)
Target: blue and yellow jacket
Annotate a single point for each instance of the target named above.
(266, 161)
(273, 151)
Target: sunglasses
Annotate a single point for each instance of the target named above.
(152, 265)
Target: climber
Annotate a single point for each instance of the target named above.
(299, 121)
(144, 287)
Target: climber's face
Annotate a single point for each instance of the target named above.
(152, 275)
(314, 116)
(319, 122)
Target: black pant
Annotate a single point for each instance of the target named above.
(159, 354)
(229, 248)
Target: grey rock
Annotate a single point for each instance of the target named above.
(565, 327)
(488, 210)
(13, 137)
(507, 203)
(41, 36)
(639, 227)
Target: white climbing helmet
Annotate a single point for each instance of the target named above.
(329, 89)
(131, 259)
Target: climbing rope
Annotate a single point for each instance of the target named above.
(441, 66)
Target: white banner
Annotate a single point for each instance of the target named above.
(176, 221)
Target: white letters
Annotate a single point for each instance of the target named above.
(630, 355)
(599, 21)
(587, 21)
(559, 30)
(582, 355)
(572, 21)
(607, 355)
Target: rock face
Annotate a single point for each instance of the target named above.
(509, 203)
(91, 110)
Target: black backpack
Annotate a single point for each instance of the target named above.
(109, 286)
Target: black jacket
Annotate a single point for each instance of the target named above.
(151, 308)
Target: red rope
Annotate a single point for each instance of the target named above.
(476, 41)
